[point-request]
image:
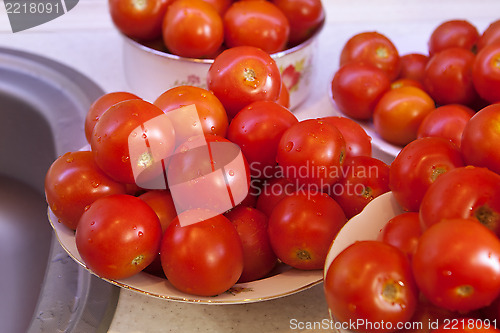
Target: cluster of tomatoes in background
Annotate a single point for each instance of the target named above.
(202, 28)
(414, 95)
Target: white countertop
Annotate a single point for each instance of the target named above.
(85, 39)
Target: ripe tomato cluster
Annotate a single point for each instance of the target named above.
(416, 94)
(151, 193)
(440, 259)
(202, 28)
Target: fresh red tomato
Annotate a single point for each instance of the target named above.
(480, 138)
(192, 29)
(448, 77)
(418, 165)
(446, 121)
(453, 33)
(304, 16)
(211, 112)
(101, 105)
(257, 129)
(118, 236)
(131, 139)
(220, 5)
(258, 255)
(208, 172)
(139, 19)
(357, 87)
(363, 179)
(242, 75)
(203, 258)
(163, 205)
(311, 153)
(271, 192)
(374, 49)
(399, 112)
(302, 226)
(457, 265)
(284, 96)
(256, 23)
(403, 232)
(465, 192)
(486, 73)
(358, 142)
(413, 66)
(489, 36)
(73, 182)
(371, 283)
(406, 83)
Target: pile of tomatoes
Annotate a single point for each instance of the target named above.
(202, 28)
(419, 94)
(301, 181)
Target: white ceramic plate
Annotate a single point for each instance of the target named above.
(285, 281)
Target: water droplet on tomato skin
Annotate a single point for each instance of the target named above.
(125, 159)
(94, 184)
(140, 234)
(289, 146)
(231, 172)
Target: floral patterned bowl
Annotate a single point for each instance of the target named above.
(150, 71)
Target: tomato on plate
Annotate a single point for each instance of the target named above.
(464, 192)
(371, 282)
(413, 66)
(256, 23)
(101, 105)
(203, 258)
(457, 264)
(139, 19)
(403, 232)
(453, 33)
(118, 236)
(486, 73)
(372, 48)
(258, 256)
(73, 182)
(358, 142)
(211, 112)
(242, 75)
(192, 29)
(446, 121)
(418, 165)
(311, 153)
(357, 87)
(163, 205)
(399, 112)
(302, 226)
(448, 77)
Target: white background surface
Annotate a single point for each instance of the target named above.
(85, 39)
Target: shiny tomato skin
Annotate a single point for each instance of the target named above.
(163, 205)
(73, 182)
(364, 178)
(457, 265)
(204, 258)
(304, 16)
(490, 35)
(403, 232)
(465, 192)
(211, 112)
(446, 121)
(406, 83)
(399, 112)
(480, 138)
(192, 29)
(302, 227)
(357, 87)
(118, 236)
(258, 255)
(110, 138)
(418, 165)
(372, 48)
(271, 192)
(413, 66)
(371, 281)
(257, 129)
(101, 105)
(358, 142)
(242, 75)
(486, 73)
(448, 77)
(220, 5)
(141, 19)
(256, 23)
(453, 33)
(311, 153)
